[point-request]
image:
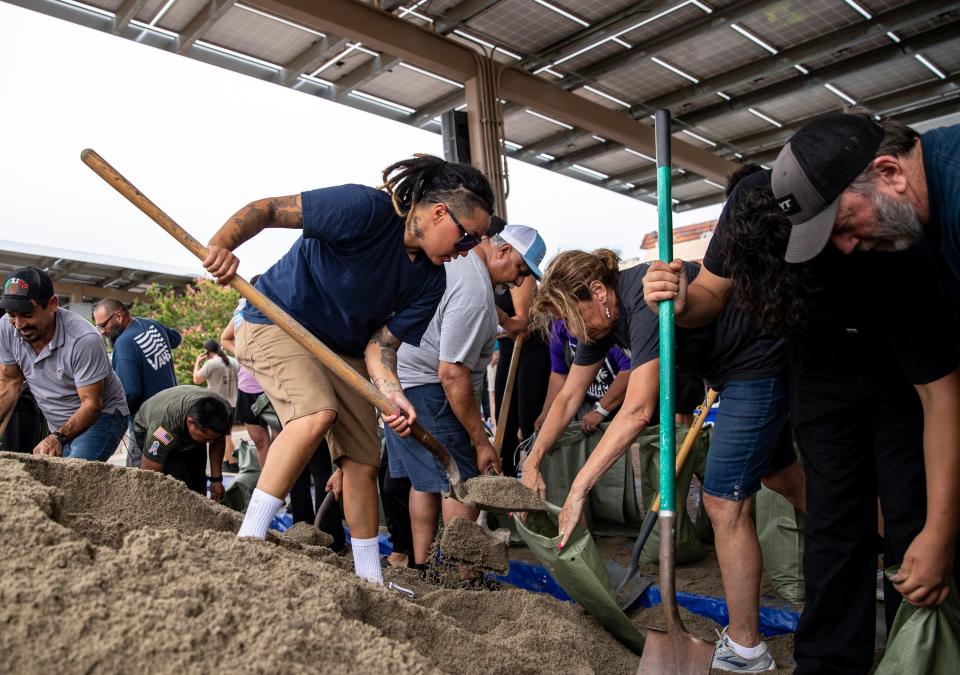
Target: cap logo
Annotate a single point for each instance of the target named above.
(16, 286)
(789, 205)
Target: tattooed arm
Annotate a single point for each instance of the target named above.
(286, 212)
(381, 359)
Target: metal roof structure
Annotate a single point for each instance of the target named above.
(87, 275)
(740, 76)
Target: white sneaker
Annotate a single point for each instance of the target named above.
(727, 658)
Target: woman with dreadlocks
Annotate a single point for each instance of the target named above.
(366, 275)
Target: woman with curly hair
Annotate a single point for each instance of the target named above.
(873, 401)
(366, 275)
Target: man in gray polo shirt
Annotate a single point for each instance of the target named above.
(441, 377)
(62, 357)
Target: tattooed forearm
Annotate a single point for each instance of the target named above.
(386, 386)
(384, 338)
(388, 358)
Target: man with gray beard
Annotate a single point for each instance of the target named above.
(871, 186)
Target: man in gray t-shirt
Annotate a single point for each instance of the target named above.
(441, 377)
(62, 357)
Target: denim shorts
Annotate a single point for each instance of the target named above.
(751, 437)
(100, 440)
(409, 459)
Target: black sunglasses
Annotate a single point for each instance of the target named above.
(467, 241)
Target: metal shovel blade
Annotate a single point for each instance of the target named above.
(674, 652)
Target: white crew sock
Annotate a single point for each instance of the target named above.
(366, 559)
(263, 507)
(748, 652)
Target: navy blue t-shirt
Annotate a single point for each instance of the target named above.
(349, 274)
(143, 360)
(941, 164)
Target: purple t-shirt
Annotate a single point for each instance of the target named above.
(563, 350)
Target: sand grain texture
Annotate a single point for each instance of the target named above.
(466, 542)
(108, 569)
(502, 493)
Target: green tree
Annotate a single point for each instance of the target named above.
(200, 313)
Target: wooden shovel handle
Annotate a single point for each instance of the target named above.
(279, 317)
(508, 393)
(691, 438)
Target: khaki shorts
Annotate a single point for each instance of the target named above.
(298, 384)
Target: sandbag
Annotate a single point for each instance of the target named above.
(612, 507)
(237, 495)
(780, 531)
(689, 547)
(580, 571)
(924, 640)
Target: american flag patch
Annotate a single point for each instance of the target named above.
(163, 435)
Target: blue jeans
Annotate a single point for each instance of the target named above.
(99, 441)
(751, 437)
(409, 459)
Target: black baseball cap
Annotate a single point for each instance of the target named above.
(22, 286)
(817, 164)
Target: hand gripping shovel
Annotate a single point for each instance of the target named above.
(631, 587)
(676, 651)
(347, 375)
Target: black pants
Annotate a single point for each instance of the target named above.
(529, 393)
(395, 497)
(302, 506)
(860, 438)
(189, 465)
(26, 428)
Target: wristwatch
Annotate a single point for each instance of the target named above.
(215, 479)
(60, 436)
(597, 408)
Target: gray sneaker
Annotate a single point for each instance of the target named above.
(727, 658)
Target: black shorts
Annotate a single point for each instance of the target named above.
(243, 413)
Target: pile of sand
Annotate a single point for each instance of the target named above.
(112, 569)
(465, 541)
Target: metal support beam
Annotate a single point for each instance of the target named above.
(460, 13)
(125, 13)
(208, 15)
(415, 45)
(535, 148)
(700, 202)
(888, 53)
(437, 107)
(583, 155)
(363, 74)
(312, 58)
(812, 49)
(485, 125)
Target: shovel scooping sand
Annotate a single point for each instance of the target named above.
(501, 493)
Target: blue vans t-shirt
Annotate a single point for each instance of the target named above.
(349, 274)
(143, 360)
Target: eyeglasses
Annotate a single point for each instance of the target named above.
(103, 325)
(467, 241)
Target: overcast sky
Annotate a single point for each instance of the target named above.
(201, 141)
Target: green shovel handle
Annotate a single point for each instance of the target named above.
(665, 237)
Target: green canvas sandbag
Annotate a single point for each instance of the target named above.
(237, 496)
(580, 571)
(780, 531)
(924, 640)
(689, 547)
(612, 507)
(263, 408)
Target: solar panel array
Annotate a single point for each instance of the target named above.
(739, 75)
